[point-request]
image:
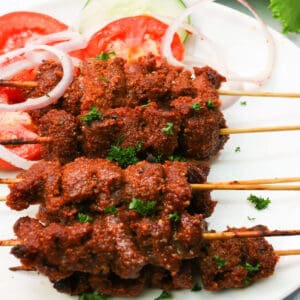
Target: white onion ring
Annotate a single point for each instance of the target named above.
(53, 95)
(170, 32)
(68, 40)
(238, 81)
(14, 159)
(261, 77)
(15, 68)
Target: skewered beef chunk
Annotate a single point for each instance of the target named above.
(201, 123)
(236, 262)
(62, 128)
(109, 247)
(48, 74)
(92, 185)
(36, 185)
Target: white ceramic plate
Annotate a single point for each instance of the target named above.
(262, 155)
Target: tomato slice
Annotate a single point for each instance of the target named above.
(132, 37)
(18, 125)
(19, 27)
(30, 152)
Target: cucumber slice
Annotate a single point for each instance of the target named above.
(97, 13)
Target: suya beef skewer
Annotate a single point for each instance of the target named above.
(115, 257)
(93, 185)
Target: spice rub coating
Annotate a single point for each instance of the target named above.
(92, 185)
(237, 262)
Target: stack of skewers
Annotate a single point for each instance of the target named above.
(122, 188)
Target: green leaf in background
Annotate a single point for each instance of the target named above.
(288, 12)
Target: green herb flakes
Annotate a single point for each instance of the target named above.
(220, 262)
(124, 156)
(243, 103)
(83, 218)
(210, 104)
(237, 149)
(145, 208)
(111, 210)
(174, 216)
(196, 106)
(164, 295)
(251, 268)
(105, 55)
(104, 79)
(176, 158)
(259, 202)
(92, 115)
(168, 129)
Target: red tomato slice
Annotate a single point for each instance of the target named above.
(18, 27)
(18, 125)
(30, 152)
(11, 95)
(132, 37)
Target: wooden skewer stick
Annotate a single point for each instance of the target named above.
(19, 84)
(287, 252)
(250, 187)
(258, 94)
(31, 84)
(10, 243)
(9, 180)
(209, 236)
(256, 184)
(260, 181)
(247, 234)
(258, 129)
(223, 131)
(37, 140)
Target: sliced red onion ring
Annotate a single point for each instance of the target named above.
(52, 96)
(14, 159)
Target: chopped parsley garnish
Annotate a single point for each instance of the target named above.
(176, 158)
(124, 156)
(164, 295)
(220, 262)
(95, 296)
(139, 146)
(259, 202)
(250, 218)
(196, 106)
(111, 210)
(196, 288)
(174, 216)
(244, 103)
(251, 268)
(145, 105)
(210, 104)
(158, 158)
(145, 208)
(237, 149)
(105, 55)
(168, 129)
(104, 79)
(92, 115)
(47, 95)
(247, 280)
(83, 218)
